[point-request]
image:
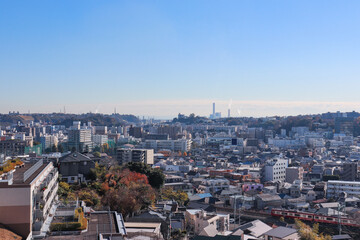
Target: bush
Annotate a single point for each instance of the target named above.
(81, 224)
(68, 226)
(79, 214)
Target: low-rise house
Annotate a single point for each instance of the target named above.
(75, 167)
(268, 201)
(255, 229)
(281, 233)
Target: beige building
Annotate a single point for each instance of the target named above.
(207, 224)
(27, 195)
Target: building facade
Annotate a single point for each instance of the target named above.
(27, 195)
(335, 188)
(275, 169)
(124, 155)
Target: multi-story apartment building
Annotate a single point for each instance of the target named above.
(275, 169)
(124, 155)
(100, 140)
(12, 147)
(47, 141)
(27, 197)
(100, 130)
(183, 145)
(135, 132)
(335, 188)
(171, 130)
(80, 138)
(214, 185)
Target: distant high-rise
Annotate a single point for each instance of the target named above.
(213, 109)
(215, 115)
(228, 112)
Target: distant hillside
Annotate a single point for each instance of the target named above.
(67, 119)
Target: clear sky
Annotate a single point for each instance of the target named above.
(159, 58)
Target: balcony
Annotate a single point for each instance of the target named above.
(39, 214)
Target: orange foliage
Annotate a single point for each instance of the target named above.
(128, 177)
(105, 186)
(126, 191)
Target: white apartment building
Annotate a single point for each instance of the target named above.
(275, 169)
(99, 140)
(335, 188)
(47, 141)
(214, 185)
(183, 145)
(79, 137)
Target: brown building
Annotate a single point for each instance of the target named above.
(135, 132)
(27, 196)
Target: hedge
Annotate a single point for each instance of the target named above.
(81, 224)
(68, 226)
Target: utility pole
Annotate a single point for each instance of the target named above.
(341, 206)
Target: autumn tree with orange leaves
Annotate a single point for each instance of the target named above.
(127, 192)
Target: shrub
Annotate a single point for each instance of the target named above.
(68, 226)
(81, 223)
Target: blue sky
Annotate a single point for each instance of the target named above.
(159, 58)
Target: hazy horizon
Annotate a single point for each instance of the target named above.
(204, 108)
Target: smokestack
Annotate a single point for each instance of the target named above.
(214, 109)
(228, 112)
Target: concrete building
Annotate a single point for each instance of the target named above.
(350, 171)
(47, 141)
(124, 155)
(135, 131)
(293, 173)
(12, 147)
(100, 130)
(80, 138)
(275, 169)
(214, 185)
(27, 197)
(99, 140)
(171, 130)
(198, 220)
(344, 125)
(335, 188)
(182, 145)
